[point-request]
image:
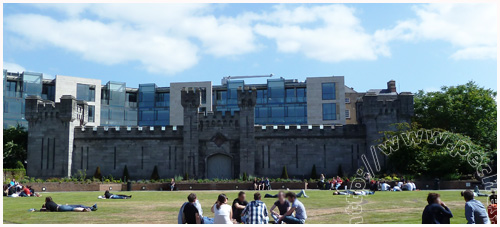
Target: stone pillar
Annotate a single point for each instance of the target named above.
(191, 101)
(246, 102)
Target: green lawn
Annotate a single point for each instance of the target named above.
(163, 207)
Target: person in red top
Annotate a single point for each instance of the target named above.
(339, 183)
(333, 182)
(492, 208)
(25, 192)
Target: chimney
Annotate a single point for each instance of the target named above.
(391, 85)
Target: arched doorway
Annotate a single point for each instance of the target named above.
(219, 166)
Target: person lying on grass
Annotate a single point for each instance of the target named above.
(50, 205)
(363, 192)
(108, 195)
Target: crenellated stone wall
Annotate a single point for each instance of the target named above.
(208, 145)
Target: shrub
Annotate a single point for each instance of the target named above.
(314, 175)
(186, 176)
(19, 165)
(155, 175)
(245, 177)
(284, 173)
(178, 178)
(125, 175)
(97, 173)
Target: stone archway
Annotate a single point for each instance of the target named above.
(219, 166)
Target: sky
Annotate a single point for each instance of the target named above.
(421, 46)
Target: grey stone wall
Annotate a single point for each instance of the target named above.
(208, 145)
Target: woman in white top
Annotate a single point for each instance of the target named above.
(222, 211)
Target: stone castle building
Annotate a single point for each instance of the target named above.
(207, 144)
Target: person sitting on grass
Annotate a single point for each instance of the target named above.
(283, 207)
(332, 183)
(222, 211)
(385, 186)
(436, 212)
(475, 213)
(256, 211)
(204, 220)
(321, 182)
(108, 195)
(25, 192)
(297, 207)
(338, 183)
(300, 194)
(191, 214)
(172, 184)
(50, 205)
(239, 205)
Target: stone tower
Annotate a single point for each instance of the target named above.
(246, 102)
(190, 101)
(51, 133)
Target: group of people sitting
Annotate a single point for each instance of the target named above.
(333, 184)
(262, 184)
(400, 186)
(436, 212)
(241, 211)
(14, 189)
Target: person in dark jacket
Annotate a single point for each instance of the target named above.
(436, 212)
(108, 195)
(50, 205)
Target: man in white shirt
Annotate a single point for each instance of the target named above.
(384, 186)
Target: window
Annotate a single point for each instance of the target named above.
(91, 113)
(301, 95)
(329, 111)
(203, 95)
(347, 114)
(347, 100)
(290, 95)
(328, 91)
(85, 92)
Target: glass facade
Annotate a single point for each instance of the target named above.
(330, 111)
(328, 91)
(117, 108)
(32, 84)
(154, 107)
(276, 104)
(85, 92)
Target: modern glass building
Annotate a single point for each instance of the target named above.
(317, 100)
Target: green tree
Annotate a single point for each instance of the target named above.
(466, 109)
(425, 159)
(245, 177)
(284, 173)
(126, 175)
(97, 173)
(155, 175)
(314, 175)
(15, 146)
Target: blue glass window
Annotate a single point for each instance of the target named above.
(290, 95)
(276, 91)
(162, 99)
(146, 117)
(116, 93)
(301, 95)
(147, 95)
(328, 91)
(91, 113)
(32, 84)
(48, 92)
(221, 97)
(329, 111)
(261, 96)
(203, 96)
(85, 92)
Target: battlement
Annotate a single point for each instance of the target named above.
(247, 96)
(218, 119)
(66, 110)
(316, 131)
(121, 132)
(190, 97)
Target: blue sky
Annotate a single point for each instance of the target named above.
(421, 46)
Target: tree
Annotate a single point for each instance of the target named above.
(97, 173)
(245, 177)
(15, 146)
(467, 109)
(155, 175)
(340, 172)
(314, 175)
(284, 173)
(425, 159)
(125, 176)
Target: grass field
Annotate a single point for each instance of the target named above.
(162, 207)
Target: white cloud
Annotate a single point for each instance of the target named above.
(329, 33)
(13, 67)
(163, 38)
(471, 28)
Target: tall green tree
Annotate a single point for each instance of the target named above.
(416, 152)
(15, 145)
(466, 109)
